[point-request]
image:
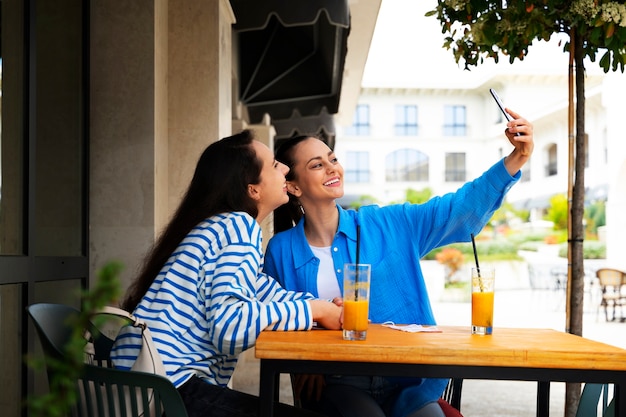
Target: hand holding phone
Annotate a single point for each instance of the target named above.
(501, 105)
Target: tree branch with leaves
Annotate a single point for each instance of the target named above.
(476, 30)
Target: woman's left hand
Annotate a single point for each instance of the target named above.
(326, 314)
(524, 142)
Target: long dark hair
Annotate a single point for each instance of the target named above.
(290, 213)
(219, 185)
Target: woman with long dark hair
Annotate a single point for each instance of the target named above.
(310, 257)
(201, 290)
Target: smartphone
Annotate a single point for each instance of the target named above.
(500, 104)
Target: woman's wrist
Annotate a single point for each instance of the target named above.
(515, 161)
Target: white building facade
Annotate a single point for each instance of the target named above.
(440, 138)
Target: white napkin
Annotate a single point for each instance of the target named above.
(412, 328)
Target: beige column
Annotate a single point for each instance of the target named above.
(127, 118)
(160, 93)
(200, 94)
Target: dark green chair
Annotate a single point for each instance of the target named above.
(101, 381)
(590, 401)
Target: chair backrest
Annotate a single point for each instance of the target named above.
(590, 404)
(610, 277)
(51, 323)
(102, 388)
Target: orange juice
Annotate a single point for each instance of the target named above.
(355, 315)
(482, 309)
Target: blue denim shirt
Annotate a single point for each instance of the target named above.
(393, 239)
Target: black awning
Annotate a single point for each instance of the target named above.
(291, 56)
(255, 14)
(322, 125)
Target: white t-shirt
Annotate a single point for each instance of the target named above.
(327, 285)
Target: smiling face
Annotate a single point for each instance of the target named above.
(271, 191)
(318, 176)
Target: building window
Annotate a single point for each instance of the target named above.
(454, 121)
(455, 167)
(361, 121)
(406, 120)
(406, 165)
(357, 167)
(551, 167)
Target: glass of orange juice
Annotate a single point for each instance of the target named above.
(356, 297)
(482, 300)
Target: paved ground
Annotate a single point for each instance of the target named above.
(516, 306)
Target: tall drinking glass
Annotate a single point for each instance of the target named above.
(356, 296)
(482, 300)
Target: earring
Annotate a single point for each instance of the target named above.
(301, 208)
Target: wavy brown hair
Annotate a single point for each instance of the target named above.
(219, 185)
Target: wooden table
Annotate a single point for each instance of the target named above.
(541, 355)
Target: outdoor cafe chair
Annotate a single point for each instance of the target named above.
(51, 324)
(611, 282)
(594, 399)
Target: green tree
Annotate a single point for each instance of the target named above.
(478, 29)
(557, 213)
(596, 216)
(503, 215)
(418, 197)
(363, 200)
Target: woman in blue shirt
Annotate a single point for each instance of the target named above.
(310, 257)
(201, 290)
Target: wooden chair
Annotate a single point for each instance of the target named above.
(611, 281)
(102, 382)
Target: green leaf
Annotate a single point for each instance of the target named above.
(605, 61)
(610, 28)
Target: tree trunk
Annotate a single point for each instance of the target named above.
(576, 281)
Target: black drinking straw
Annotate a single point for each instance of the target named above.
(475, 255)
(356, 277)
(480, 282)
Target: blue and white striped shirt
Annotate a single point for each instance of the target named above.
(210, 302)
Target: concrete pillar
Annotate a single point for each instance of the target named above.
(161, 76)
(127, 102)
(200, 94)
